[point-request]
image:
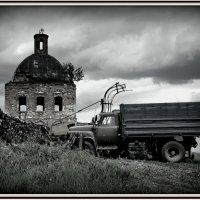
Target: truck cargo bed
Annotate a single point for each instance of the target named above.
(161, 119)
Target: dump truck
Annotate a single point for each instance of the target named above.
(166, 131)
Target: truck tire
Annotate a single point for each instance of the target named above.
(89, 148)
(173, 152)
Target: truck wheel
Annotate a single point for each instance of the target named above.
(173, 152)
(89, 148)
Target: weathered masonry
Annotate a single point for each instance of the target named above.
(40, 90)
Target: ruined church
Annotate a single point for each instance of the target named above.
(40, 90)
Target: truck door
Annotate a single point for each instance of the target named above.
(107, 131)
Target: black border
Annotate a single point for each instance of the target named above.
(100, 197)
(103, 2)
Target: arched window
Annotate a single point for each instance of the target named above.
(58, 104)
(41, 45)
(40, 104)
(22, 104)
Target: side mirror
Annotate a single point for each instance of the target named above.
(93, 121)
(95, 118)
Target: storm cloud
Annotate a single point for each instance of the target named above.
(155, 50)
(137, 42)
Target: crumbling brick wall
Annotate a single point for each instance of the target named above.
(30, 90)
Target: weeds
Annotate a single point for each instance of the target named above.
(33, 168)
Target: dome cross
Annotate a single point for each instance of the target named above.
(41, 31)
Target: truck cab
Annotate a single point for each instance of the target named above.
(103, 134)
(107, 129)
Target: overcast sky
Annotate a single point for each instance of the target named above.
(155, 51)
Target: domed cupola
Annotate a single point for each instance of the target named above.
(40, 66)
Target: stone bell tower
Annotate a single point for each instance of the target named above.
(41, 43)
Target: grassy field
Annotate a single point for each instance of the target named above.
(34, 168)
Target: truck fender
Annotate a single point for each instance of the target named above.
(88, 136)
(91, 140)
(85, 135)
(178, 138)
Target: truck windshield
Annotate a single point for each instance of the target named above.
(108, 121)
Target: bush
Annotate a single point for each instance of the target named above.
(13, 130)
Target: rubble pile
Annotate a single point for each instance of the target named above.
(13, 130)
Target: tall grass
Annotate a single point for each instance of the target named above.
(34, 168)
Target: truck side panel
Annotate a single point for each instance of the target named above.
(161, 119)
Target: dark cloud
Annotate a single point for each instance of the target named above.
(7, 72)
(184, 70)
(181, 72)
(4, 78)
(109, 42)
(112, 43)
